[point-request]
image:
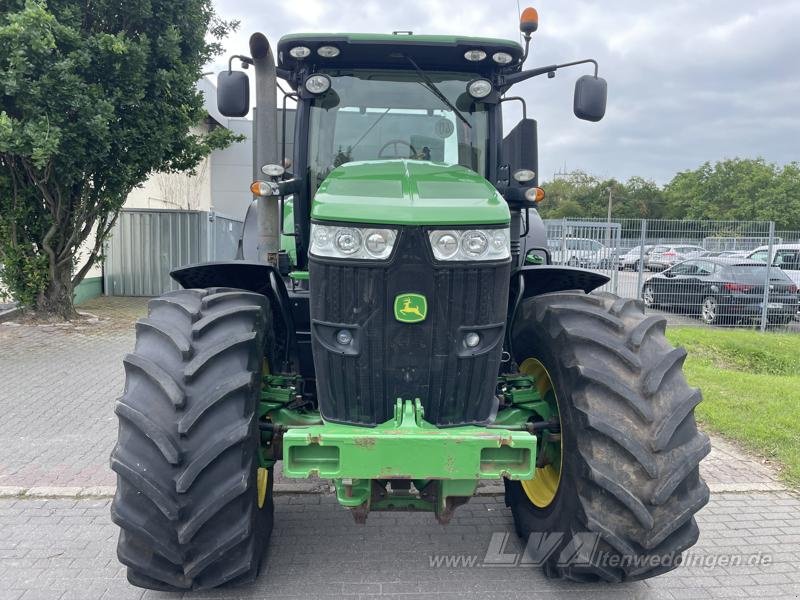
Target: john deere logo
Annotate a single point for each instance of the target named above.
(410, 308)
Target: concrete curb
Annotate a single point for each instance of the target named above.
(40, 492)
(285, 489)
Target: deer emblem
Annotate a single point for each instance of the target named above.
(411, 310)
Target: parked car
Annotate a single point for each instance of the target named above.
(581, 252)
(632, 258)
(664, 256)
(724, 290)
(784, 256)
(727, 253)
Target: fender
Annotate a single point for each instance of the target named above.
(251, 276)
(542, 279)
(530, 281)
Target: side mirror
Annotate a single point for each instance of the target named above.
(520, 162)
(520, 152)
(233, 94)
(590, 98)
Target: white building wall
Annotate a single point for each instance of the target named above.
(176, 191)
(232, 173)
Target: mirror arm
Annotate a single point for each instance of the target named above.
(582, 62)
(522, 100)
(287, 187)
(515, 78)
(246, 61)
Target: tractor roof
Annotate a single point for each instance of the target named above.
(371, 50)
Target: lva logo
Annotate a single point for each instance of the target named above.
(541, 547)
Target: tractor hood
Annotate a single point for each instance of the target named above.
(408, 192)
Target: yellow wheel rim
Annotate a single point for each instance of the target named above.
(542, 489)
(262, 482)
(262, 475)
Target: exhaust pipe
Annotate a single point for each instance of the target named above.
(265, 145)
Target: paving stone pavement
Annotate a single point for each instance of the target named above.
(57, 390)
(64, 549)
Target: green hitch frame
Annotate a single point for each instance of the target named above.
(443, 464)
(408, 447)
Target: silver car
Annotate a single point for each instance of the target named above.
(632, 258)
(581, 252)
(664, 256)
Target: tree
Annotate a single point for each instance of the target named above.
(738, 189)
(94, 97)
(580, 195)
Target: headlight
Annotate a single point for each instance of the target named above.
(524, 175)
(379, 242)
(475, 55)
(299, 52)
(352, 242)
(473, 244)
(480, 88)
(444, 243)
(348, 241)
(318, 84)
(328, 51)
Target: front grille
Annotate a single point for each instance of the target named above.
(391, 360)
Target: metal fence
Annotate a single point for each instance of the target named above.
(695, 272)
(147, 244)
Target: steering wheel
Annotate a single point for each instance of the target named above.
(396, 144)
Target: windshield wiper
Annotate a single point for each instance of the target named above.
(437, 92)
(370, 128)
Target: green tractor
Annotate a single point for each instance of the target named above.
(393, 323)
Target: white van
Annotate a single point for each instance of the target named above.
(784, 256)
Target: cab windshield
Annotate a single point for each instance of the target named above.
(380, 115)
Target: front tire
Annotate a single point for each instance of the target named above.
(629, 476)
(193, 504)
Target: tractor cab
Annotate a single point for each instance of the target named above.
(431, 104)
(384, 97)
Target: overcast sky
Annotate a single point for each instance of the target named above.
(689, 80)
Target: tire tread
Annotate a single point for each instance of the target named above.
(187, 450)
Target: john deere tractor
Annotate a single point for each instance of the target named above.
(393, 323)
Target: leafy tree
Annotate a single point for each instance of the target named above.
(94, 96)
(570, 195)
(783, 205)
(643, 199)
(737, 190)
(580, 195)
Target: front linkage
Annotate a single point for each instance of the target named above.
(374, 468)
